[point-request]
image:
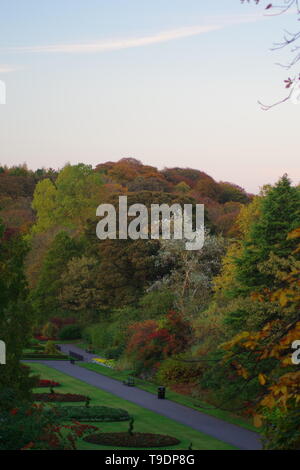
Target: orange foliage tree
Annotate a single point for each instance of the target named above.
(280, 385)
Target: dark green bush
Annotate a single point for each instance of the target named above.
(86, 335)
(114, 352)
(70, 332)
(281, 430)
(37, 347)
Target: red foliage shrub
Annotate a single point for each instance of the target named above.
(43, 338)
(61, 322)
(60, 397)
(151, 341)
(32, 427)
(10, 233)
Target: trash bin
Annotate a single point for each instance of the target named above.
(161, 393)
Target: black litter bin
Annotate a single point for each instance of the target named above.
(161, 393)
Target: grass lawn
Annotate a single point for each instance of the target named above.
(176, 397)
(145, 420)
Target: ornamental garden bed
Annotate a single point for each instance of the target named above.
(93, 413)
(110, 363)
(61, 397)
(44, 338)
(47, 383)
(138, 439)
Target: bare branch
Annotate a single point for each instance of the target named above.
(288, 39)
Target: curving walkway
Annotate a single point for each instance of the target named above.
(232, 434)
(66, 348)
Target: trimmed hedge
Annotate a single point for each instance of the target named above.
(93, 413)
(37, 347)
(45, 357)
(138, 439)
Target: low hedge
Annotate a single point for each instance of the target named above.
(93, 413)
(37, 347)
(137, 439)
(45, 357)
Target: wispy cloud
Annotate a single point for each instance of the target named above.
(116, 44)
(8, 68)
(126, 43)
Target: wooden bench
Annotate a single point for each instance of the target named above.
(129, 382)
(75, 357)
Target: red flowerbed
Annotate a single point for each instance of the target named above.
(46, 397)
(43, 338)
(47, 383)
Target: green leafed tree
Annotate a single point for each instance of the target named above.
(70, 201)
(80, 292)
(280, 214)
(15, 322)
(78, 194)
(46, 295)
(44, 204)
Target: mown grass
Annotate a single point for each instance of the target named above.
(171, 395)
(145, 420)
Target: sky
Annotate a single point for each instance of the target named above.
(169, 82)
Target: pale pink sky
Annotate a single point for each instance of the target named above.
(171, 83)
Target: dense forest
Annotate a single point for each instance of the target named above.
(217, 323)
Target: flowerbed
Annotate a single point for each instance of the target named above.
(93, 413)
(44, 338)
(124, 439)
(61, 397)
(47, 383)
(111, 363)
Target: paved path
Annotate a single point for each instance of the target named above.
(226, 432)
(66, 348)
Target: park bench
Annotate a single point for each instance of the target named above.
(75, 357)
(129, 382)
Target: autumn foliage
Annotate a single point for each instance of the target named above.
(152, 341)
